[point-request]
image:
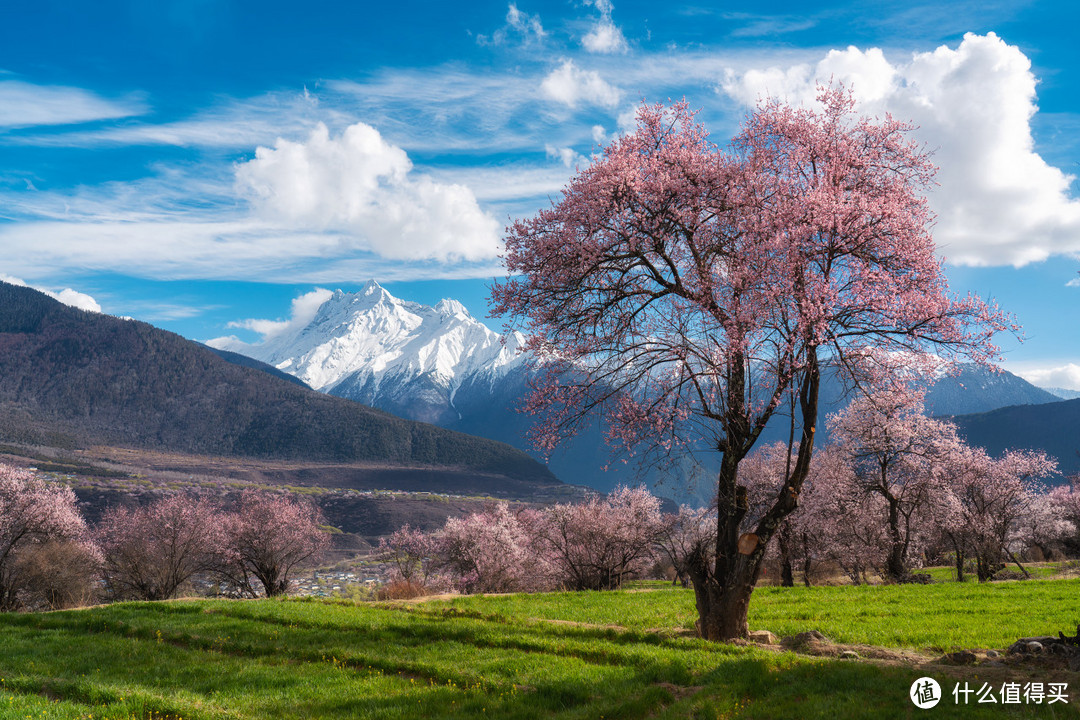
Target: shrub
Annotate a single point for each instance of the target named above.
(33, 513)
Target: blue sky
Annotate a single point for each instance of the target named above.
(201, 164)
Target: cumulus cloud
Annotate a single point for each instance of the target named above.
(605, 36)
(571, 85)
(361, 185)
(67, 296)
(1065, 376)
(998, 201)
(24, 104)
(1075, 282)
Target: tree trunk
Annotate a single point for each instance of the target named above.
(787, 573)
(959, 565)
(1017, 561)
(896, 567)
(723, 590)
(722, 611)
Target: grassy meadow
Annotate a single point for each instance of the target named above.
(626, 654)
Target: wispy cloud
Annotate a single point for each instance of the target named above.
(605, 36)
(24, 105)
(235, 123)
(520, 26)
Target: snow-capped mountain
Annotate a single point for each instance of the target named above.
(1063, 393)
(441, 365)
(404, 357)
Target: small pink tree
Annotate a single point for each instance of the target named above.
(34, 513)
(1065, 505)
(596, 545)
(150, 551)
(269, 536)
(896, 453)
(491, 551)
(687, 538)
(841, 522)
(993, 498)
(414, 555)
(684, 292)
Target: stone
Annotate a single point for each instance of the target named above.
(963, 657)
(992, 654)
(804, 638)
(1031, 645)
(762, 637)
(849, 655)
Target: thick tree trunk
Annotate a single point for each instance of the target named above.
(722, 612)
(723, 589)
(787, 573)
(896, 567)
(959, 564)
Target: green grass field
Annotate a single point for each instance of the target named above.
(566, 655)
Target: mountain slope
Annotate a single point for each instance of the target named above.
(250, 362)
(1053, 428)
(93, 378)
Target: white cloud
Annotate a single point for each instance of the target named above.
(360, 185)
(76, 299)
(303, 311)
(1065, 376)
(567, 156)
(605, 36)
(67, 296)
(24, 104)
(232, 124)
(1075, 282)
(599, 135)
(525, 26)
(570, 85)
(998, 202)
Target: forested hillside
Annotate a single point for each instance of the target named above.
(70, 377)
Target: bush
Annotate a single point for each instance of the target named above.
(58, 574)
(401, 590)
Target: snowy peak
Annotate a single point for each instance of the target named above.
(446, 306)
(357, 341)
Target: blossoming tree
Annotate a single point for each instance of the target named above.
(898, 453)
(686, 291)
(33, 513)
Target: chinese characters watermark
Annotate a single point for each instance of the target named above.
(926, 692)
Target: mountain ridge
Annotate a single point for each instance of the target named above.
(72, 377)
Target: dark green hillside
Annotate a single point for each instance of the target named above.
(76, 378)
(248, 362)
(1053, 428)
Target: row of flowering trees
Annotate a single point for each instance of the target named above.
(50, 556)
(897, 488)
(594, 545)
(894, 491)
